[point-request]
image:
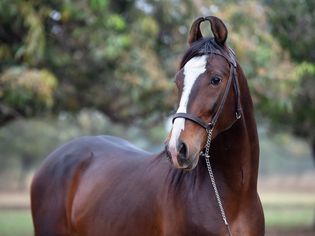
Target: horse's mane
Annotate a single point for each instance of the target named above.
(206, 46)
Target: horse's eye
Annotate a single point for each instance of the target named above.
(215, 81)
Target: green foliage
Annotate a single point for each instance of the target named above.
(267, 66)
(116, 22)
(97, 50)
(304, 106)
(295, 30)
(22, 34)
(107, 49)
(304, 69)
(294, 27)
(28, 90)
(117, 56)
(98, 4)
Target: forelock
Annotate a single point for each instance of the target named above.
(207, 46)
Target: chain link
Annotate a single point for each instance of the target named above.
(206, 154)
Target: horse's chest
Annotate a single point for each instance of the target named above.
(197, 220)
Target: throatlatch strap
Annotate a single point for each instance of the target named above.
(237, 94)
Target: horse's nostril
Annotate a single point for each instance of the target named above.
(182, 151)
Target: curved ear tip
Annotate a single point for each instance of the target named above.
(213, 17)
(195, 33)
(198, 21)
(217, 19)
(218, 28)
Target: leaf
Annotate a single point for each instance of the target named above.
(98, 4)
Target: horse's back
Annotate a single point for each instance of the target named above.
(105, 146)
(82, 151)
(55, 185)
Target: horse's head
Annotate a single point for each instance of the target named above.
(207, 70)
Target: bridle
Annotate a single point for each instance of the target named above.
(209, 126)
(232, 78)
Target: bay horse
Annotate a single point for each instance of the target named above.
(105, 186)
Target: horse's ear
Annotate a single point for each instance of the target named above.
(218, 29)
(195, 33)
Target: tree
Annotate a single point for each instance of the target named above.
(295, 30)
(270, 72)
(294, 27)
(113, 56)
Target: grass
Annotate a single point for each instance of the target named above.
(282, 211)
(289, 218)
(19, 222)
(15, 223)
(288, 210)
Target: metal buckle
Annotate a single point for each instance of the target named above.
(238, 115)
(209, 127)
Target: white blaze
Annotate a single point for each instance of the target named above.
(192, 69)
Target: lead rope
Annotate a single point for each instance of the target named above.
(206, 154)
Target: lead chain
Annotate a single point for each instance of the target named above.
(207, 157)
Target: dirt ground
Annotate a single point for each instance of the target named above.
(295, 232)
(298, 183)
(303, 183)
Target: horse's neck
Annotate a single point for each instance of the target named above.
(235, 157)
(235, 152)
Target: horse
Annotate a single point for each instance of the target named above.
(203, 183)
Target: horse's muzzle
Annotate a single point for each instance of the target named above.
(179, 156)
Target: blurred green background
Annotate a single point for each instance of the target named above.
(70, 68)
